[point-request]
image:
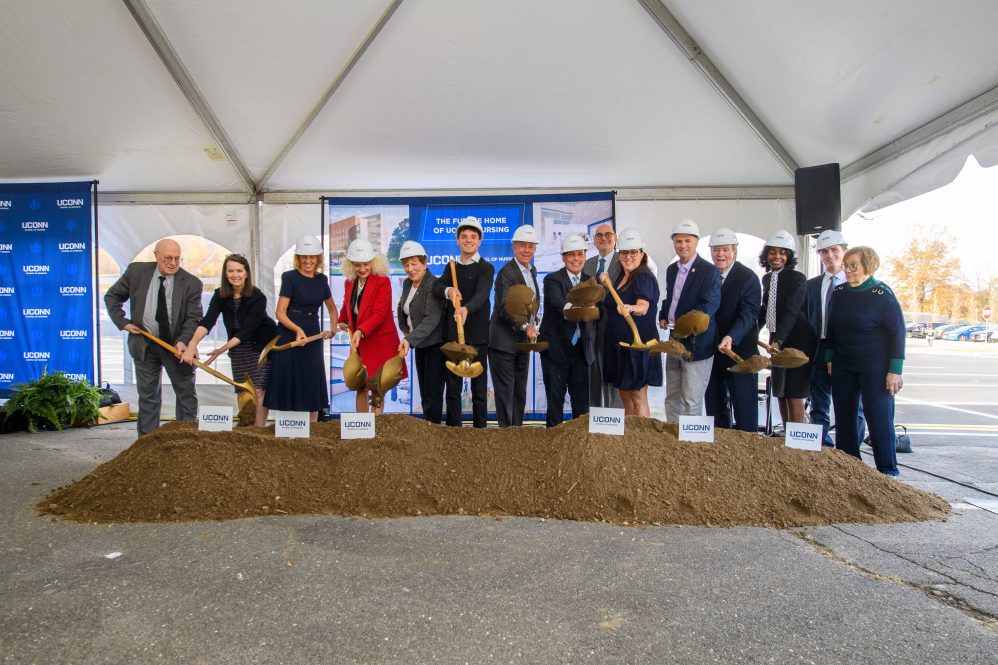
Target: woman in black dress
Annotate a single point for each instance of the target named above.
(783, 314)
(298, 375)
(244, 313)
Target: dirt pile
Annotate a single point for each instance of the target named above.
(417, 468)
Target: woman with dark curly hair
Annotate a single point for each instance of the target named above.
(783, 315)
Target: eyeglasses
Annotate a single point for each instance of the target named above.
(169, 259)
(852, 267)
(608, 234)
(629, 252)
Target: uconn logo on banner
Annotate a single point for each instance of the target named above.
(6, 377)
(6, 247)
(36, 312)
(72, 290)
(6, 334)
(77, 377)
(34, 226)
(6, 205)
(7, 291)
(72, 246)
(73, 334)
(37, 356)
(35, 270)
(70, 203)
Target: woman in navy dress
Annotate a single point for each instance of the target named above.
(298, 375)
(630, 371)
(865, 355)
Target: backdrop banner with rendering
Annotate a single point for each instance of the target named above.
(47, 233)
(433, 221)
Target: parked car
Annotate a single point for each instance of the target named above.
(962, 334)
(942, 330)
(918, 329)
(984, 335)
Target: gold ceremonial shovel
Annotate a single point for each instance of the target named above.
(247, 385)
(460, 353)
(788, 358)
(753, 365)
(354, 372)
(637, 344)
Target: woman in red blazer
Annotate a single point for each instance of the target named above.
(367, 311)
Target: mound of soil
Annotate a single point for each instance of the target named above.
(418, 468)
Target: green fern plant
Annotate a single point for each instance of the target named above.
(54, 401)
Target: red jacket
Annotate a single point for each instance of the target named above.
(374, 319)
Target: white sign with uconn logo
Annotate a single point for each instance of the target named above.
(291, 424)
(215, 418)
(696, 428)
(356, 425)
(804, 437)
(606, 421)
(34, 226)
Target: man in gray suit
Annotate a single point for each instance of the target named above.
(166, 301)
(603, 394)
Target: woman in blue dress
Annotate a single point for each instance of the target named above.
(629, 370)
(298, 375)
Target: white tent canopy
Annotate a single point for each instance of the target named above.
(235, 102)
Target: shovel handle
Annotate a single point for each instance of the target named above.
(627, 315)
(731, 354)
(457, 303)
(765, 346)
(197, 363)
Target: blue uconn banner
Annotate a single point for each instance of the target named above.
(46, 281)
(387, 222)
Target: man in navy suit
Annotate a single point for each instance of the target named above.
(831, 246)
(510, 367)
(570, 353)
(691, 283)
(738, 327)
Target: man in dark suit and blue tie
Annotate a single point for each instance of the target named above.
(606, 260)
(570, 351)
(831, 246)
(691, 283)
(165, 300)
(738, 329)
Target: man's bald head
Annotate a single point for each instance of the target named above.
(167, 253)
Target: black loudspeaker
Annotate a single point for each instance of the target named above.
(819, 204)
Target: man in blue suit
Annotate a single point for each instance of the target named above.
(692, 283)
(738, 328)
(570, 353)
(831, 246)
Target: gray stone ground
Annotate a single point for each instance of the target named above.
(465, 589)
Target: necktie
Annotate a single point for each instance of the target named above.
(576, 334)
(601, 268)
(771, 304)
(722, 279)
(828, 301)
(162, 313)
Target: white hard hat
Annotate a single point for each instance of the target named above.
(411, 248)
(723, 236)
(525, 233)
(360, 251)
(687, 226)
(308, 246)
(782, 239)
(830, 238)
(572, 243)
(470, 223)
(629, 239)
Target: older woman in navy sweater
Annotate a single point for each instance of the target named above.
(865, 355)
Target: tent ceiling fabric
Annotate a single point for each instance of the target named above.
(456, 94)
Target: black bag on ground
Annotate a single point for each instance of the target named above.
(903, 444)
(109, 396)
